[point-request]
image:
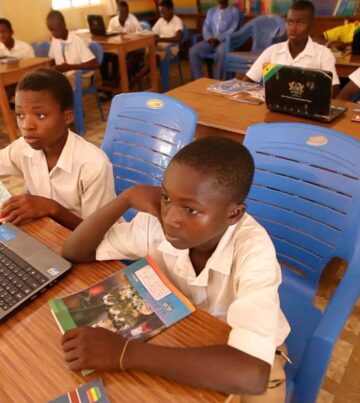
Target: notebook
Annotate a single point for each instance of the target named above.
(300, 91)
(97, 26)
(27, 268)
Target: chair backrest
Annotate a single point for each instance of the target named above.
(98, 51)
(263, 30)
(145, 25)
(144, 131)
(306, 194)
(41, 48)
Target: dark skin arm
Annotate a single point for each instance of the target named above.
(335, 90)
(348, 91)
(340, 45)
(90, 65)
(21, 208)
(219, 367)
(174, 39)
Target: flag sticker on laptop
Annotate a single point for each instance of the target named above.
(270, 69)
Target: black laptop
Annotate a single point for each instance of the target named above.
(300, 91)
(97, 26)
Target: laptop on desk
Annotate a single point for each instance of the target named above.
(300, 91)
(97, 26)
(27, 268)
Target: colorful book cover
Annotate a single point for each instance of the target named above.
(91, 392)
(136, 302)
(233, 86)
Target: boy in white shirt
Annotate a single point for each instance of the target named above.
(124, 22)
(9, 46)
(216, 254)
(67, 178)
(299, 50)
(69, 51)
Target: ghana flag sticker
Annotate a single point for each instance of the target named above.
(93, 394)
(270, 69)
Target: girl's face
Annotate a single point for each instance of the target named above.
(40, 119)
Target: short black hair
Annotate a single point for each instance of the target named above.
(166, 3)
(51, 80)
(304, 5)
(55, 14)
(7, 23)
(228, 161)
(123, 3)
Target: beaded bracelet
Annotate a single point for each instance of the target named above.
(123, 354)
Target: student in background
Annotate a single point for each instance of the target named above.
(196, 229)
(219, 22)
(299, 50)
(351, 88)
(9, 46)
(66, 177)
(168, 29)
(68, 49)
(124, 22)
(339, 37)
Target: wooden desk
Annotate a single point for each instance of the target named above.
(347, 64)
(123, 44)
(10, 73)
(32, 364)
(217, 115)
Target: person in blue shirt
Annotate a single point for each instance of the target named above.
(219, 22)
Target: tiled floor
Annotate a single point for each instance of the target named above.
(342, 383)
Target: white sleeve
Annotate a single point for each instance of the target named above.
(328, 63)
(29, 51)
(179, 26)
(83, 50)
(255, 72)
(126, 240)
(355, 77)
(112, 24)
(137, 25)
(156, 27)
(10, 159)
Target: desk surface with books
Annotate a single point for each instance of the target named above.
(33, 367)
(218, 115)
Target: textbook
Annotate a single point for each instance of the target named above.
(137, 302)
(236, 86)
(90, 392)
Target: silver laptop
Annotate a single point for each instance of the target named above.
(27, 268)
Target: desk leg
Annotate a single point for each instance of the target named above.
(124, 84)
(153, 67)
(9, 121)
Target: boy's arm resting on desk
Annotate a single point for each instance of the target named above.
(219, 367)
(23, 207)
(82, 243)
(90, 65)
(348, 91)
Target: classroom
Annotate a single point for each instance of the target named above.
(145, 147)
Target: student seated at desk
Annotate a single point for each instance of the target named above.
(299, 50)
(9, 46)
(168, 29)
(68, 49)
(66, 177)
(219, 22)
(351, 88)
(339, 37)
(124, 22)
(197, 230)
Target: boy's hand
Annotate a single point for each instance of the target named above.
(92, 348)
(144, 198)
(17, 209)
(64, 67)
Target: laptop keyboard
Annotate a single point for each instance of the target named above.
(18, 279)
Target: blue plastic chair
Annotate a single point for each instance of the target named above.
(41, 48)
(144, 131)
(81, 91)
(264, 31)
(164, 65)
(145, 25)
(306, 194)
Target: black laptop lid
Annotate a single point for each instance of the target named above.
(96, 24)
(297, 90)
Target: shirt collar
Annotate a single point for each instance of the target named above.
(308, 50)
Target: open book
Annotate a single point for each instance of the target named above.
(239, 90)
(137, 302)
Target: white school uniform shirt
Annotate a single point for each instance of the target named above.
(131, 25)
(314, 56)
(355, 77)
(167, 30)
(81, 181)
(239, 283)
(21, 49)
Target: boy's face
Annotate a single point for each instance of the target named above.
(124, 13)
(194, 213)
(57, 28)
(166, 13)
(40, 119)
(5, 34)
(298, 24)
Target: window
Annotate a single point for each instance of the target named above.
(59, 4)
